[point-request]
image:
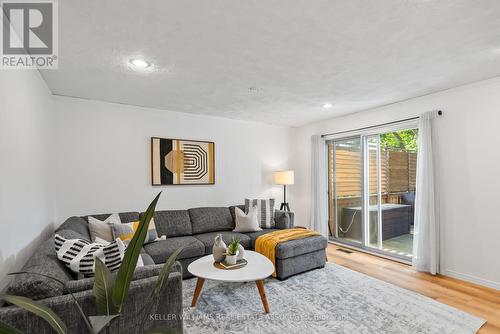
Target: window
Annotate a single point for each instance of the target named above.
(371, 187)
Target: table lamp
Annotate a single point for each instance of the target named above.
(284, 177)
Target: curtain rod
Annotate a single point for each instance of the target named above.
(439, 112)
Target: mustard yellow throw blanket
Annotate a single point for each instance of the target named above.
(266, 244)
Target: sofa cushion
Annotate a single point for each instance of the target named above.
(233, 208)
(139, 273)
(254, 235)
(76, 224)
(265, 211)
(102, 229)
(208, 239)
(79, 255)
(126, 231)
(246, 222)
(44, 261)
(283, 219)
(211, 219)
(147, 260)
(172, 223)
(71, 234)
(160, 250)
(125, 217)
(297, 247)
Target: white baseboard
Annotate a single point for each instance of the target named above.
(472, 279)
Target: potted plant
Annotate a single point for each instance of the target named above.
(232, 251)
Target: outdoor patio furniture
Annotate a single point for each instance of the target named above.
(408, 198)
(395, 221)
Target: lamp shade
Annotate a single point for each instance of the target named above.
(283, 177)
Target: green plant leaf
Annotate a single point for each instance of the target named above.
(99, 322)
(38, 309)
(126, 271)
(160, 282)
(232, 248)
(8, 329)
(104, 283)
(166, 269)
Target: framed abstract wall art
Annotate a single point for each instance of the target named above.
(182, 162)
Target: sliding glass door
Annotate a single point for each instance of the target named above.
(346, 183)
(372, 189)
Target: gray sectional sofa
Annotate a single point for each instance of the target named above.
(194, 229)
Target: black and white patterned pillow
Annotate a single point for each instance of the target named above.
(265, 211)
(79, 255)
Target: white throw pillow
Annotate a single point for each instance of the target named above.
(102, 229)
(79, 254)
(122, 246)
(246, 222)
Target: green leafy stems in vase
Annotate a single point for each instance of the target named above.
(232, 251)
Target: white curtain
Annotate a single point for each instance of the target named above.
(426, 229)
(319, 181)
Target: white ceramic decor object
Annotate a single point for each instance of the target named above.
(241, 252)
(231, 259)
(219, 248)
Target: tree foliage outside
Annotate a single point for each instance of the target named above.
(401, 140)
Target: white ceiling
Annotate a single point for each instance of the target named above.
(273, 61)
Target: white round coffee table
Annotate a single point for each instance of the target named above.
(258, 268)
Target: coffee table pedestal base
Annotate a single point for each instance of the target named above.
(260, 287)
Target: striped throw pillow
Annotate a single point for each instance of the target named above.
(79, 255)
(126, 231)
(265, 211)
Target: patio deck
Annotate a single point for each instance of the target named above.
(401, 245)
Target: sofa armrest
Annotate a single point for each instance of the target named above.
(168, 312)
(140, 273)
(284, 219)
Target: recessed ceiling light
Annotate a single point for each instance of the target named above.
(327, 105)
(139, 63)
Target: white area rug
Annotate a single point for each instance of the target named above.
(330, 300)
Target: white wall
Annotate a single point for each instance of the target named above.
(103, 158)
(26, 199)
(468, 145)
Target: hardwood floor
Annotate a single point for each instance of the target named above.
(474, 299)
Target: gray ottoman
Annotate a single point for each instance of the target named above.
(300, 255)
